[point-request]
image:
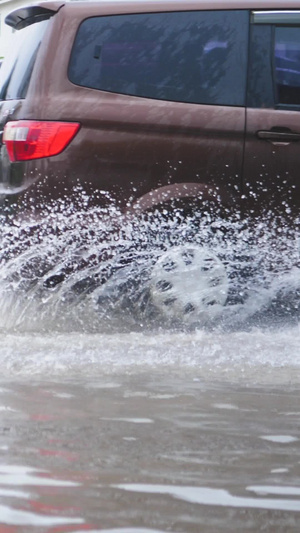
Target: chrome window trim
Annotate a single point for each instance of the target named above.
(288, 16)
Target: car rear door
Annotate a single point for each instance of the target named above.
(171, 101)
(272, 148)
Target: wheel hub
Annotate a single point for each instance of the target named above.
(189, 282)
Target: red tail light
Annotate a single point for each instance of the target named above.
(31, 139)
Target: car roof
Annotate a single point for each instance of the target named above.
(196, 4)
(26, 15)
(180, 5)
(172, 5)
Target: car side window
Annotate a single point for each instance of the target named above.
(194, 57)
(287, 66)
(274, 60)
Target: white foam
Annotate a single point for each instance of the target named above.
(215, 497)
(25, 476)
(281, 439)
(262, 356)
(16, 517)
(270, 489)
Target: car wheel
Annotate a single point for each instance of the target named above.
(170, 271)
(189, 283)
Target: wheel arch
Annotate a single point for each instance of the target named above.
(197, 194)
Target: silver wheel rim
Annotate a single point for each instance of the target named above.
(189, 283)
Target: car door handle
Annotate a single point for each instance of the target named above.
(278, 136)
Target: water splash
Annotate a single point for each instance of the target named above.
(89, 270)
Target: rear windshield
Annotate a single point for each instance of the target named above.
(17, 66)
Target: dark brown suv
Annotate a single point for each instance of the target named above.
(148, 104)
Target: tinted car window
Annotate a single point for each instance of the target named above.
(17, 67)
(196, 57)
(287, 65)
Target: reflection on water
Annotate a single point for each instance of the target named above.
(149, 452)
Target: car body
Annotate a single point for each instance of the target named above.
(147, 104)
(193, 100)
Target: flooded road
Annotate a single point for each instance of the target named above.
(111, 421)
(150, 432)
